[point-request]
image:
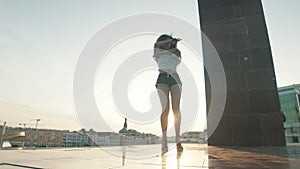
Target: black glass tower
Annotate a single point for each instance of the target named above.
(237, 30)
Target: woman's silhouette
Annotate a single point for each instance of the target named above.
(168, 82)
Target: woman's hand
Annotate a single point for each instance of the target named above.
(166, 42)
(176, 39)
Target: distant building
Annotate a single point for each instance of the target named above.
(46, 137)
(104, 138)
(64, 138)
(40, 137)
(73, 139)
(194, 136)
(124, 130)
(133, 137)
(117, 139)
(289, 101)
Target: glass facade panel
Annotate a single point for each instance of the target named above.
(289, 102)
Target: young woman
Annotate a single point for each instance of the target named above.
(168, 57)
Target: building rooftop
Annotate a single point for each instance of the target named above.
(288, 88)
(148, 156)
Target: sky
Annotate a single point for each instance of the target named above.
(41, 41)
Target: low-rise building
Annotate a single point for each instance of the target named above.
(194, 137)
(73, 139)
(289, 97)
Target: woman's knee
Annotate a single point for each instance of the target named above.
(165, 107)
(176, 109)
(165, 112)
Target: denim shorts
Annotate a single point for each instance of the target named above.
(168, 79)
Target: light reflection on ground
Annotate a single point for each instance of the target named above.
(194, 156)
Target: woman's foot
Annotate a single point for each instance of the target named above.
(164, 149)
(179, 147)
(164, 146)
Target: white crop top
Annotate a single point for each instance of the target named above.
(167, 62)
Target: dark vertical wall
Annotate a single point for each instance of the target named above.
(238, 31)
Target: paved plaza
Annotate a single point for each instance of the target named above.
(148, 156)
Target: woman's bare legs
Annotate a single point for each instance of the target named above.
(176, 95)
(163, 92)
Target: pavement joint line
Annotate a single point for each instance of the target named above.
(17, 165)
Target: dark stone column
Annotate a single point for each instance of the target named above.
(251, 117)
